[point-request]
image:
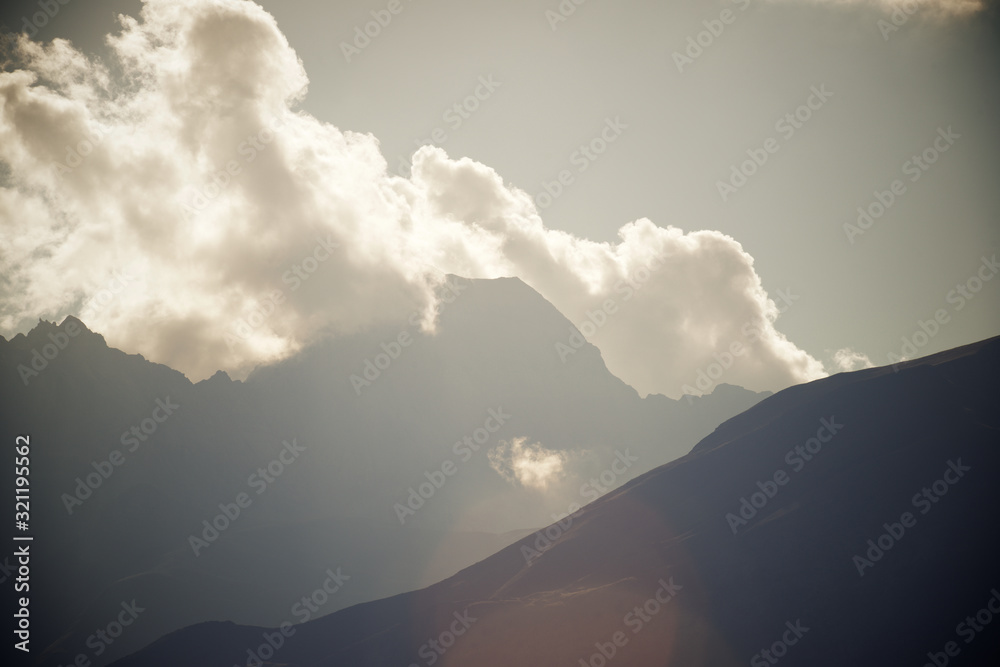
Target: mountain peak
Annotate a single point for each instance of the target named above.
(74, 320)
(48, 332)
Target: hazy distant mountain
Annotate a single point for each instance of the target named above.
(844, 522)
(132, 463)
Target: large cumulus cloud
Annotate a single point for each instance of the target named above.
(190, 213)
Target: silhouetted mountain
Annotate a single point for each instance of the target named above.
(135, 468)
(848, 521)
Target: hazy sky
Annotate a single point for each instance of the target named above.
(667, 120)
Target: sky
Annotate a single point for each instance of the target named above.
(681, 180)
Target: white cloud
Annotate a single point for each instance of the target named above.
(251, 228)
(933, 7)
(846, 359)
(529, 465)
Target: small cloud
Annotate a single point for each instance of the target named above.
(530, 465)
(936, 7)
(846, 359)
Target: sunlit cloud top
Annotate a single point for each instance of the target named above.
(246, 229)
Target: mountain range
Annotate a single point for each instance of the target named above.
(848, 521)
(372, 459)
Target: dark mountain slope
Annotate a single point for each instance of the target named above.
(908, 460)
